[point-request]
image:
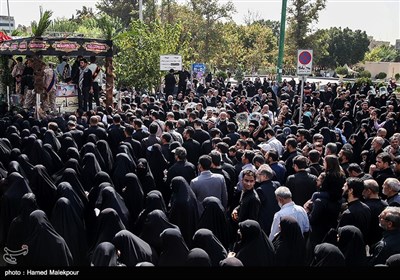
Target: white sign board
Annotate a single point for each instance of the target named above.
(172, 61)
(304, 62)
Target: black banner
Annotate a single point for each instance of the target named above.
(57, 46)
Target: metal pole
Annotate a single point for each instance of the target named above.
(281, 40)
(141, 10)
(9, 19)
(8, 99)
(301, 98)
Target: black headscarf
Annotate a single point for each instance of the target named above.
(155, 223)
(198, 257)
(90, 167)
(133, 197)
(64, 189)
(326, 254)
(214, 219)
(39, 155)
(73, 152)
(50, 138)
(174, 250)
(254, 247)
(393, 260)
(43, 187)
(57, 163)
(351, 244)
(69, 175)
(46, 247)
(18, 231)
(133, 249)
(145, 176)
(108, 224)
(289, 243)
(11, 201)
(26, 165)
(70, 226)
(105, 152)
(66, 142)
(157, 164)
(109, 198)
(105, 254)
(153, 201)
(184, 211)
(92, 148)
(122, 166)
(231, 262)
(206, 240)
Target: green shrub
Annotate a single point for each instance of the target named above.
(341, 70)
(397, 76)
(222, 74)
(381, 75)
(365, 74)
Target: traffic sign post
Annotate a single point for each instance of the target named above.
(304, 67)
(304, 62)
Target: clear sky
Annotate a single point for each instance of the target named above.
(379, 18)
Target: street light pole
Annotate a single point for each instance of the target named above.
(281, 40)
(9, 19)
(141, 10)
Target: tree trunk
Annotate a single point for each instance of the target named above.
(38, 73)
(109, 81)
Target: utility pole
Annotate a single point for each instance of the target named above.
(281, 40)
(141, 10)
(9, 19)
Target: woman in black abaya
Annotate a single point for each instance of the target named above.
(155, 223)
(57, 163)
(153, 201)
(198, 257)
(133, 196)
(289, 243)
(326, 254)
(122, 166)
(105, 255)
(206, 240)
(109, 198)
(214, 219)
(145, 176)
(18, 232)
(174, 250)
(133, 249)
(64, 189)
(158, 164)
(351, 244)
(44, 188)
(17, 186)
(254, 248)
(66, 142)
(70, 226)
(104, 149)
(108, 225)
(92, 148)
(184, 210)
(46, 247)
(50, 138)
(90, 167)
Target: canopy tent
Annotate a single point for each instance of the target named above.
(4, 37)
(65, 47)
(57, 46)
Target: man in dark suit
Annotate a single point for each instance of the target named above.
(85, 86)
(200, 135)
(301, 184)
(181, 167)
(95, 129)
(139, 133)
(115, 134)
(192, 146)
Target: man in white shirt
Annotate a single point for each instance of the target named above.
(96, 79)
(288, 208)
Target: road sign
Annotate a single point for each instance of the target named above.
(171, 61)
(304, 62)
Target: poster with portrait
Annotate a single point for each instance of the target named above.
(66, 90)
(66, 97)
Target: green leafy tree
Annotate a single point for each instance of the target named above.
(124, 10)
(85, 13)
(382, 53)
(301, 14)
(140, 47)
(207, 37)
(397, 76)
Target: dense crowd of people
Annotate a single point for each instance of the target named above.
(211, 175)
